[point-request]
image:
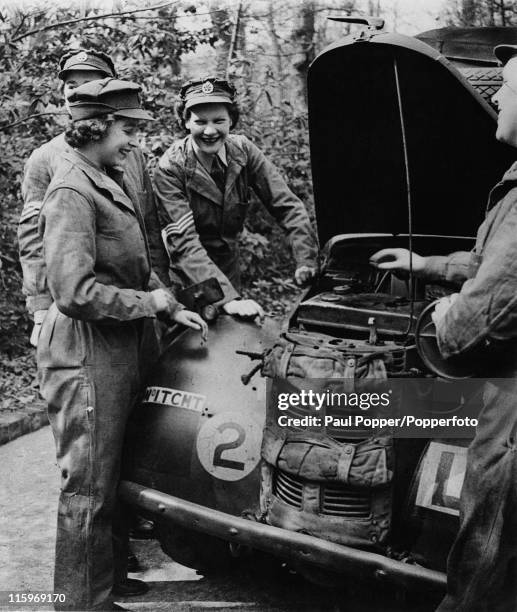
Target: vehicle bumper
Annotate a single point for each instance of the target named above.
(289, 545)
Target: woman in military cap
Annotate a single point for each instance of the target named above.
(202, 184)
(76, 67)
(98, 336)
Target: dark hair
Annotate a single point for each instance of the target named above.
(183, 115)
(80, 133)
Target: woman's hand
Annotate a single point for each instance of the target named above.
(191, 319)
(247, 309)
(397, 260)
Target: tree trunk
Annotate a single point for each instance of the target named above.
(303, 37)
(222, 25)
(277, 49)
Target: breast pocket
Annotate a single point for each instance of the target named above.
(114, 222)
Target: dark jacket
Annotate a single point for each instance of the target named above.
(203, 225)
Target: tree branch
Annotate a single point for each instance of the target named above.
(10, 125)
(19, 27)
(60, 24)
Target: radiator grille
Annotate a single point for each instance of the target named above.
(340, 500)
(336, 499)
(288, 488)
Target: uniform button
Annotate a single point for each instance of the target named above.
(351, 362)
(348, 450)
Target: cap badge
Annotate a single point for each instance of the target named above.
(81, 57)
(207, 87)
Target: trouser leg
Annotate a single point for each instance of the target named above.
(481, 570)
(88, 410)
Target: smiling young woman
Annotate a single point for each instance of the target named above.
(97, 341)
(203, 187)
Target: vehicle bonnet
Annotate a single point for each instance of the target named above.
(399, 140)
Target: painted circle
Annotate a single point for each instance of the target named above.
(228, 445)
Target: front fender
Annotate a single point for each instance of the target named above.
(198, 430)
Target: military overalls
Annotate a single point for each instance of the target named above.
(96, 344)
(39, 170)
(482, 567)
(203, 225)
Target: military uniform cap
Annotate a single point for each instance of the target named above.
(107, 97)
(505, 52)
(86, 60)
(207, 90)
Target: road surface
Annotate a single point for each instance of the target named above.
(29, 482)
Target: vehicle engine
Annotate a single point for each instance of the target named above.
(356, 325)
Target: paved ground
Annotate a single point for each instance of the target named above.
(29, 482)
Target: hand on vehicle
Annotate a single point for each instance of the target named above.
(191, 319)
(443, 306)
(248, 309)
(304, 274)
(39, 317)
(397, 260)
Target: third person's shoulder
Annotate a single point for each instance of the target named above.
(242, 142)
(241, 145)
(50, 151)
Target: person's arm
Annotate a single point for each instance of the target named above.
(36, 179)
(68, 230)
(486, 307)
(179, 233)
(454, 268)
(159, 257)
(288, 210)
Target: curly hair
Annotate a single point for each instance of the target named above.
(183, 115)
(80, 133)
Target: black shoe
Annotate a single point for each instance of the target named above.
(130, 587)
(133, 564)
(143, 529)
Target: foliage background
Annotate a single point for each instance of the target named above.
(264, 46)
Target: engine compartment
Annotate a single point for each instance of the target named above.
(370, 307)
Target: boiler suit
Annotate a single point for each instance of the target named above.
(39, 170)
(482, 566)
(96, 344)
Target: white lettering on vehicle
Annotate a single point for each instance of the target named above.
(175, 398)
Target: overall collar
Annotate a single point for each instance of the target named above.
(103, 181)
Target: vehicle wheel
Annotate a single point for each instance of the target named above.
(486, 81)
(193, 549)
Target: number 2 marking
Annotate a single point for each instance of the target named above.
(219, 460)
